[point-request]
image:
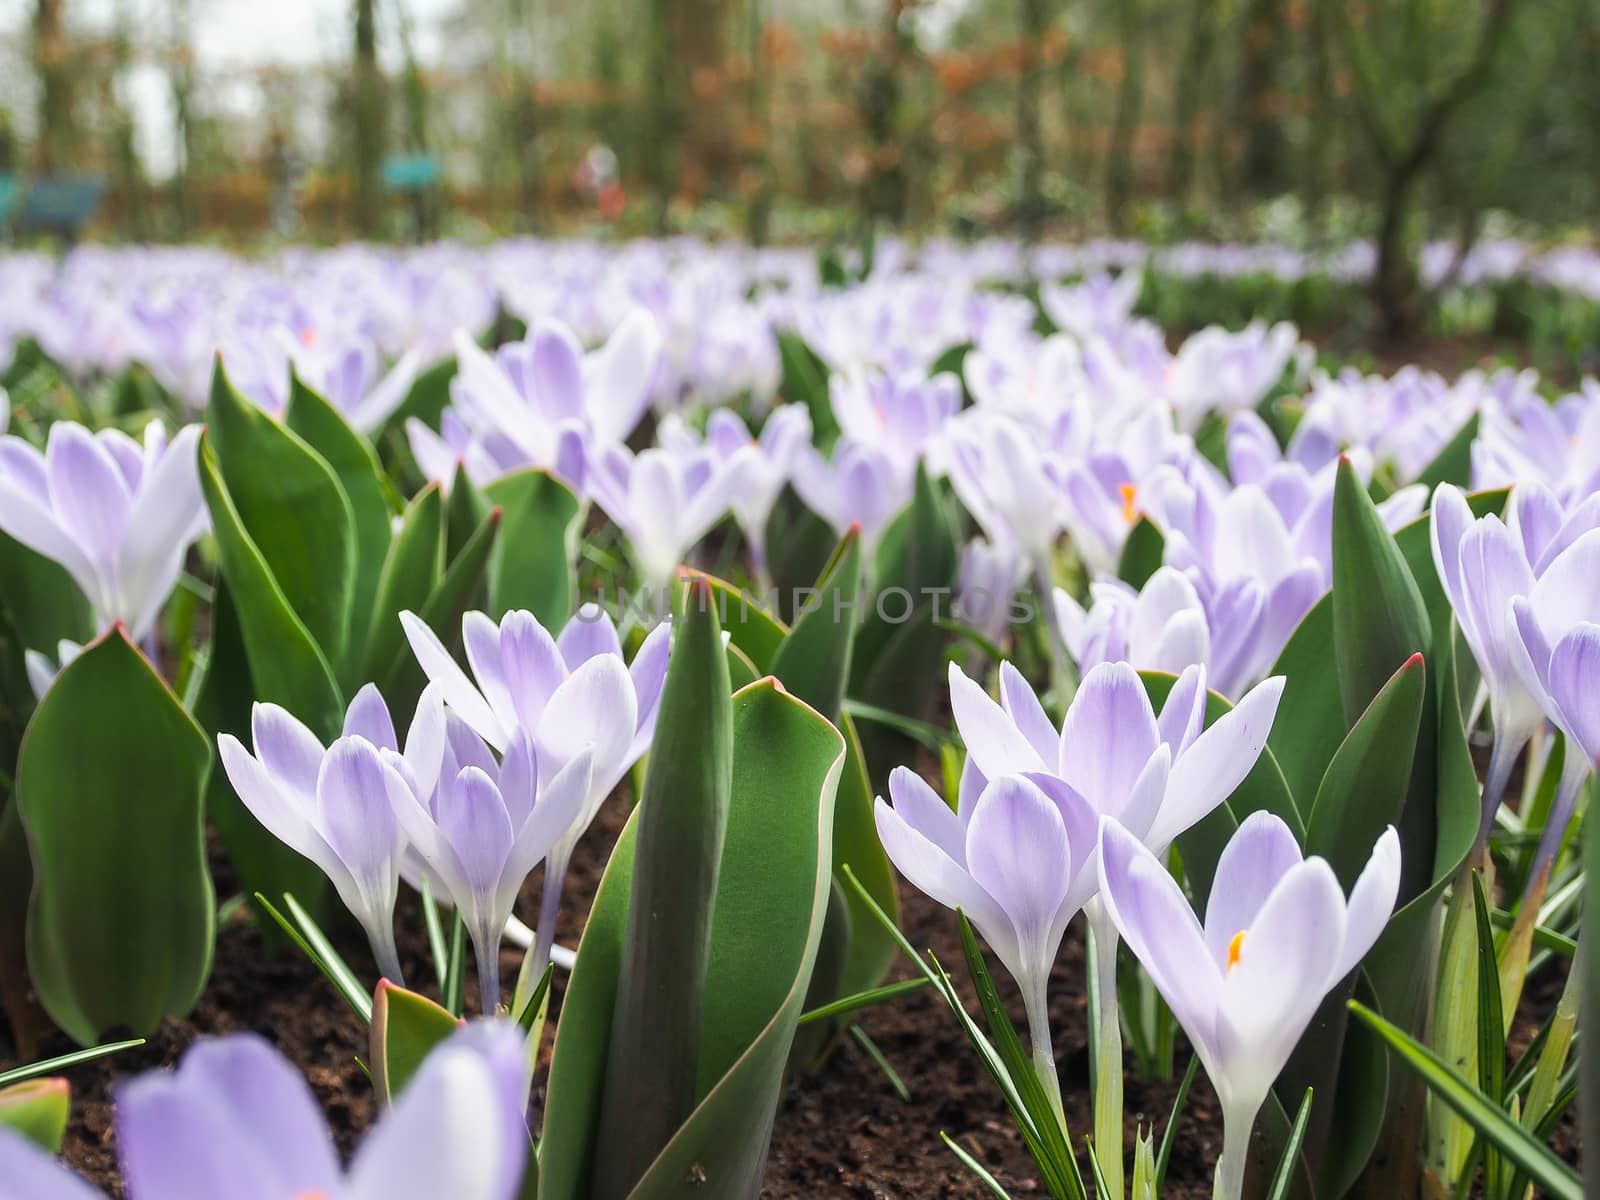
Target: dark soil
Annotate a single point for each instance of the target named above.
(841, 1132)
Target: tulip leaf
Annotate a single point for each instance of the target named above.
(405, 1028)
(813, 660)
(1263, 788)
(805, 380)
(62, 1061)
(751, 625)
(535, 556)
(289, 503)
(799, 544)
(1364, 789)
(464, 511)
(111, 784)
(652, 1067)
(37, 1110)
(411, 570)
(1552, 1176)
(287, 665)
(1141, 553)
(356, 468)
(772, 895)
(429, 394)
(1453, 464)
(40, 602)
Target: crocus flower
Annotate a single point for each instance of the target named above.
(236, 1121)
(1278, 936)
(860, 485)
(1019, 861)
(347, 374)
(1483, 566)
(484, 829)
(985, 586)
(118, 516)
(665, 501)
(903, 416)
(563, 696)
(1219, 371)
(1555, 649)
(334, 805)
(42, 672)
(1002, 476)
(1100, 301)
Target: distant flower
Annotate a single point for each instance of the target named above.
(1099, 302)
(859, 485)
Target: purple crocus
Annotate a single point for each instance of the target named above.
(1005, 480)
(1099, 302)
(902, 416)
(334, 805)
(117, 515)
(562, 695)
(236, 1121)
(1017, 858)
(1555, 650)
(1278, 936)
(860, 485)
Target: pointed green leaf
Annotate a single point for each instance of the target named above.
(1364, 789)
(405, 1028)
(411, 570)
(772, 894)
(290, 505)
(1453, 464)
(652, 1071)
(535, 557)
(1141, 553)
(813, 660)
(111, 781)
(286, 664)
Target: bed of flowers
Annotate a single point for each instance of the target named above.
(593, 687)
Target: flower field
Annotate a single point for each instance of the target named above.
(665, 718)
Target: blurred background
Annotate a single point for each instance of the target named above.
(1293, 121)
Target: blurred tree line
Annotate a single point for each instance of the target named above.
(1385, 118)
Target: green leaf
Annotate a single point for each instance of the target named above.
(1364, 789)
(652, 1067)
(290, 505)
(805, 381)
(37, 1110)
(405, 1027)
(304, 931)
(534, 560)
(977, 1168)
(1170, 1133)
(1141, 553)
(287, 665)
(356, 468)
(1453, 464)
(411, 571)
(866, 999)
(1546, 1170)
(1284, 1178)
(1356, 1119)
(62, 1061)
(772, 894)
(813, 661)
(41, 603)
(1491, 1044)
(111, 785)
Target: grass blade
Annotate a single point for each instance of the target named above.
(1283, 1180)
(435, 926)
(1545, 1170)
(876, 1055)
(1491, 1027)
(866, 999)
(973, 1165)
(1170, 1133)
(344, 984)
(50, 1066)
(455, 972)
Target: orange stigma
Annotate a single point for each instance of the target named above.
(308, 339)
(1235, 948)
(1129, 494)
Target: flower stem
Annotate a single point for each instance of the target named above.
(1501, 759)
(387, 953)
(1107, 1049)
(1235, 1156)
(544, 937)
(1574, 774)
(1036, 1002)
(486, 950)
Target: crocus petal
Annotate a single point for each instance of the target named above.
(926, 812)
(594, 706)
(1017, 851)
(1183, 715)
(1371, 903)
(458, 691)
(286, 818)
(88, 493)
(28, 1173)
(289, 751)
(1149, 911)
(590, 631)
(472, 818)
(1574, 681)
(481, 639)
(1021, 704)
(31, 522)
(1258, 855)
(368, 717)
(1565, 594)
(1206, 774)
(559, 807)
(235, 1120)
(532, 664)
(357, 821)
(444, 1137)
(993, 740)
(1108, 736)
(944, 880)
(648, 670)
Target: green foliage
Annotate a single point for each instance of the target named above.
(112, 780)
(37, 1109)
(405, 1027)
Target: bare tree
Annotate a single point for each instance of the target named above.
(367, 123)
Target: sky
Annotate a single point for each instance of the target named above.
(226, 34)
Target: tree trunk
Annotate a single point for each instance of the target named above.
(1186, 121)
(1120, 173)
(1030, 140)
(57, 140)
(1262, 167)
(367, 118)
